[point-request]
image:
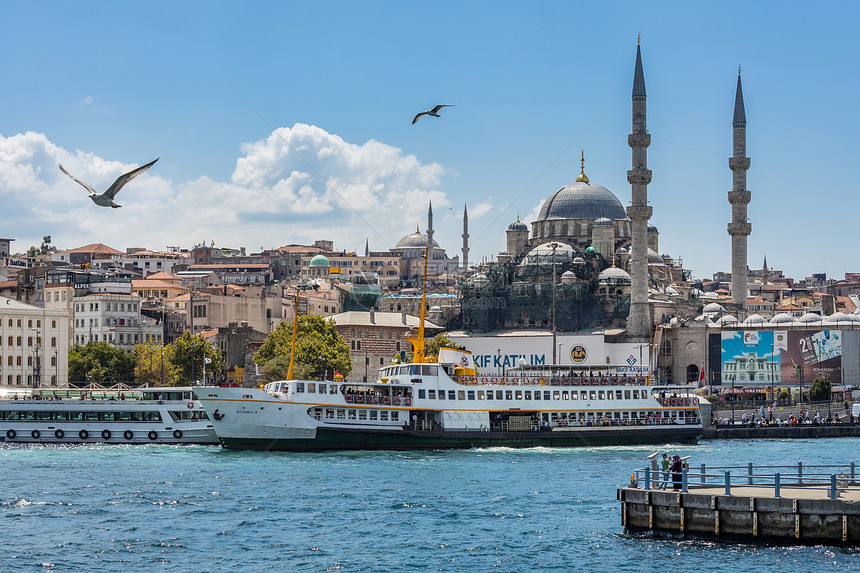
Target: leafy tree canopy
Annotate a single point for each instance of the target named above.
(432, 346)
(100, 362)
(151, 365)
(186, 356)
(820, 390)
(320, 350)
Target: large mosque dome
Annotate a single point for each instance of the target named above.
(415, 240)
(582, 200)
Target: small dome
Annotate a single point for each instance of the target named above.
(652, 228)
(518, 226)
(809, 317)
(726, 320)
(590, 250)
(613, 274)
(568, 277)
(782, 318)
(706, 295)
(603, 222)
(665, 257)
(838, 317)
(319, 261)
(672, 291)
(581, 261)
(754, 319)
(653, 257)
(543, 254)
(713, 308)
(480, 279)
(622, 251)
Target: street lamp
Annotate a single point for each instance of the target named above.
(36, 369)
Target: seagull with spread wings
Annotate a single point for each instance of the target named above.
(434, 112)
(106, 199)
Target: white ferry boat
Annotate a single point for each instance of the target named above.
(443, 404)
(169, 415)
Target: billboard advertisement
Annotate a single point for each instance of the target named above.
(782, 357)
(497, 354)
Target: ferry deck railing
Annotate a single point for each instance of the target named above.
(833, 479)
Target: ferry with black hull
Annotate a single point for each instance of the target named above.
(169, 415)
(441, 403)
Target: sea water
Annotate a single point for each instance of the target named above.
(196, 508)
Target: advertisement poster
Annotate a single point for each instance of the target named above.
(495, 355)
(750, 358)
(762, 358)
(813, 353)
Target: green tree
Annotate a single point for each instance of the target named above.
(320, 349)
(432, 346)
(151, 366)
(820, 390)
(186, 356)
(100, 362)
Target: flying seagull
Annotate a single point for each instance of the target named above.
(434, 112)
(106, 198)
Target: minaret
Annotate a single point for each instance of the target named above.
(639, 319)
(765, 273)
(465, 238)
(430, 226)
(739, 198)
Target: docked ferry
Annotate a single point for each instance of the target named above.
(443, 404)
(143, 415)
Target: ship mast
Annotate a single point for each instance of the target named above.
(295, 328)
(418, 342)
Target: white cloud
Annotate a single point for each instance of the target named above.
(297, 185)
(88, 100)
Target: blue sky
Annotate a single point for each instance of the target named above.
(227, 93)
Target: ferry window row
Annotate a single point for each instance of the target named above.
(532, 395)
(350, 414)
(60, 416)
(314, 388)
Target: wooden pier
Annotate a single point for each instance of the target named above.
(739, 504)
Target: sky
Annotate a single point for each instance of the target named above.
(282, 123)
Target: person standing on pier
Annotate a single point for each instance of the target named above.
(676, 472)
(665, 466)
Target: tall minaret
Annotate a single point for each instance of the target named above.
(639, 320)
(465, 238)
(430, 225)
(739, 198)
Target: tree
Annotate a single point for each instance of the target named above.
(100, 362)
(151, 367)
(186, 356)
(432, 346)
(820, 390)
(320, 349)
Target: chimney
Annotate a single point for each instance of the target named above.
(372, 316)
(403, 315)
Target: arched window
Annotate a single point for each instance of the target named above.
(692, 373)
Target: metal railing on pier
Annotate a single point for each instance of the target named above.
(833, 479)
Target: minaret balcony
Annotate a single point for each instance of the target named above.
(639, 211)
(739, 229)
(639, 176)
(639, 139)
(741, 196)
(739, 162)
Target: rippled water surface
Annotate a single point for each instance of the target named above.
(170, 508)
